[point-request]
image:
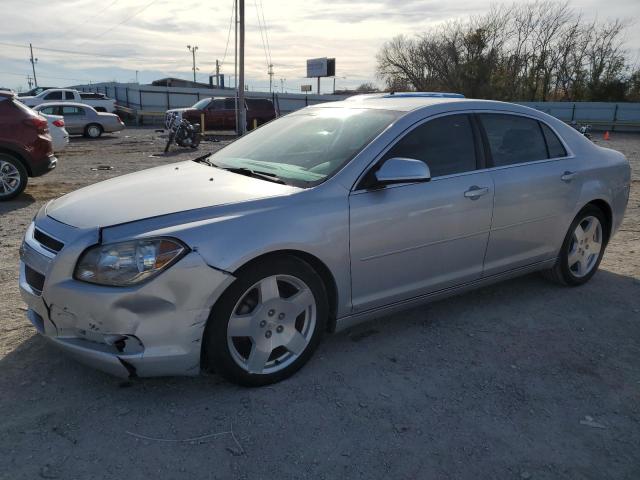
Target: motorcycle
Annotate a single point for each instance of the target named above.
(183, 133)
(583, 129)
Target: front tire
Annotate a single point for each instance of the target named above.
(582, 249)
(267, 324)
(13, 177)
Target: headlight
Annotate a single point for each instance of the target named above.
(128, 263)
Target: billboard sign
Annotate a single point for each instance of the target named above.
(305, 88)
(321, 67)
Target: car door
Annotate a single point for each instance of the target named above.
(229, 119)
(215, 114)
(537, 184)
(75, 119)
(410, 239)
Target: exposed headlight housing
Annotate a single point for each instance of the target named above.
(128, 263)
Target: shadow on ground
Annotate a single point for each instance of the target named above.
(524, 379)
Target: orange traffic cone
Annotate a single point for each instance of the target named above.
(606, 135)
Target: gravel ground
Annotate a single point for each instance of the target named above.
(524, 379)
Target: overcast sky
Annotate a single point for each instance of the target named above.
(151, 36)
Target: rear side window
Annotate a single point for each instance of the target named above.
(513, 139)
(53, 96)
(556, 149)
(69, 95)
(445, 144)
(72, 111)
(259, 104)
(49, 110)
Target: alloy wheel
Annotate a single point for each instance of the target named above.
(585, 246)
(272, 324)
(9, 178)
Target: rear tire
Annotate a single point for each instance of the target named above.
(93, 130)
(13, 177)
(582, 249)
(267, 324)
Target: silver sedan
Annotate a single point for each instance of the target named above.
(81, 119)
(240, 261)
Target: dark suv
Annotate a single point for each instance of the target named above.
(25, 146)
(220, 113)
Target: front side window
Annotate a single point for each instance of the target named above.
(53, 96)
(306, 147)
(513, 139)
(445, 144)
(217, 104)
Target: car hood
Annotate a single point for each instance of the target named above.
(159, 191)
(179, 110)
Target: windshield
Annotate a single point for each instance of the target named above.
(306, 147)
(201, 104)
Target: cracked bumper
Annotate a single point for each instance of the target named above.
(154, 329)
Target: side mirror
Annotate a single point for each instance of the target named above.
(402, 170)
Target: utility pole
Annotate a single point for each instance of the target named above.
(270, 72)
(193, 53)
(137, 76)
(242, 113)
(282, 80)
(33, 65)
(217, 74)
(318, 85)
(235, 55)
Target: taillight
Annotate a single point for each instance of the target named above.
(59, 123)
(39, 123)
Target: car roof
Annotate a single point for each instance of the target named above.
(64, 104)
(409, 101)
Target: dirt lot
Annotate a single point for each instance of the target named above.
(520, 380)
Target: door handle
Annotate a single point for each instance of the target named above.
(476, 192)
(567, 176)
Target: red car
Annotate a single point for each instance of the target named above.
(220, 114)
(25, 146)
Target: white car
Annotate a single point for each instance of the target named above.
(59, 134)
(70, 95)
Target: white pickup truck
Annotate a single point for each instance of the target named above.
(69, 95)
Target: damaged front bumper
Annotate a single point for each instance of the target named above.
(153, 329)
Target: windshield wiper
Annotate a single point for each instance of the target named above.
(268, 176)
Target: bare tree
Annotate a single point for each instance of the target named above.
(540, 50)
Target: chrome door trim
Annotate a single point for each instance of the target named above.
(413, 126)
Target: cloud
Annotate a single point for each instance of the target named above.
(154, 42)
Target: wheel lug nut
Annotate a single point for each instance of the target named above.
(281, 316)
(279, 329)
(271, 312)
(267, 334)
(263, 323)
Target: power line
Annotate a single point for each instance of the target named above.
(87, 54)
(264, 45)
(125, 20)
(226, 48)
(266, 32)
(93, 15)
